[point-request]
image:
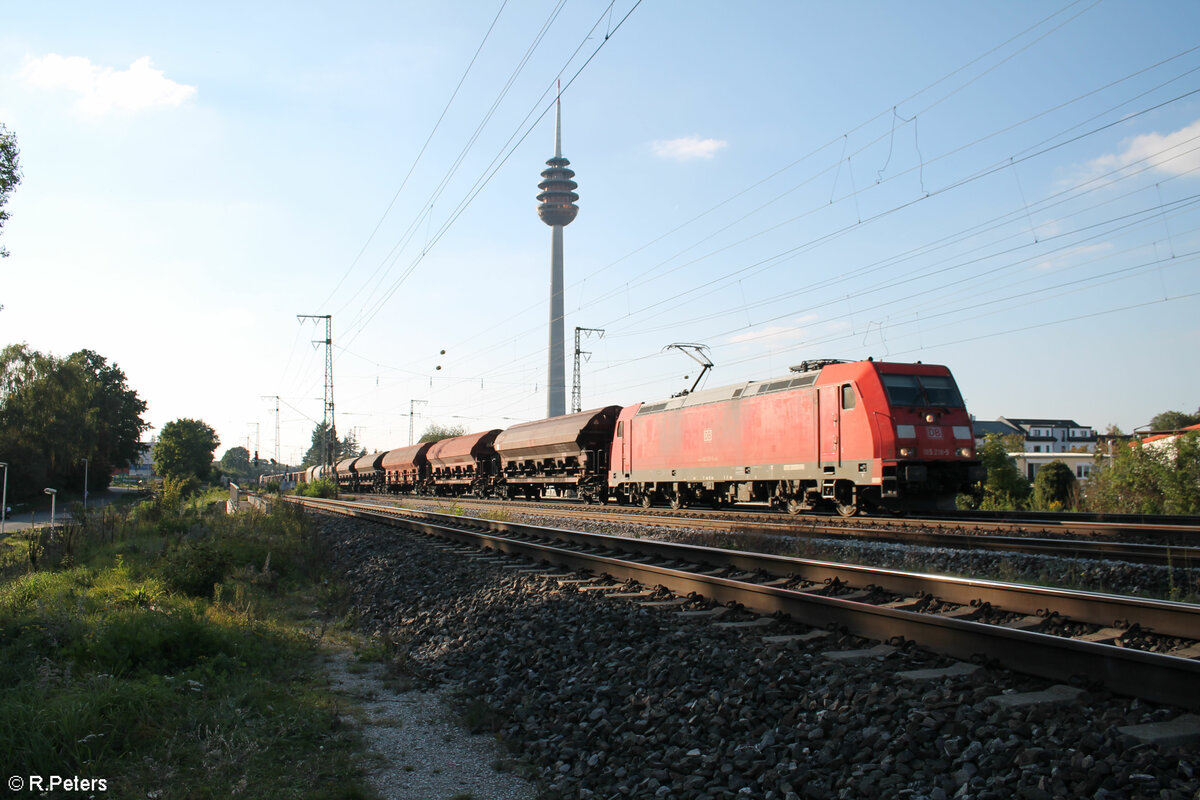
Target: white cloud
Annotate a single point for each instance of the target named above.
(1066, 256)
(687, 148)
(104, 89)
(776, 334)
(1173, 153)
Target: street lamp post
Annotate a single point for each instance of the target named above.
(85, 485)
(4, 499)
(52, 493)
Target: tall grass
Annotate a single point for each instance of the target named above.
(171, 653)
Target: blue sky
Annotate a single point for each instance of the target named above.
(1011, 189)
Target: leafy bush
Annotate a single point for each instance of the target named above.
(1159, 479)
(322, 487)
(1005, 488)
(1054, 487)
(196, 566)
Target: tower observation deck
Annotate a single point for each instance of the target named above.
(557, 208)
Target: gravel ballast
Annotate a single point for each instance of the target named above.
(602, 698)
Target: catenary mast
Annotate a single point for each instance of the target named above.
(557, 208)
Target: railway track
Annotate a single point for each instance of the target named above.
(1177, 530)
(1137, 647)
(929, 533)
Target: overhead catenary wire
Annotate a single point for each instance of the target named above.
(416, 159)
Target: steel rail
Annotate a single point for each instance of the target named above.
(1076, 523)
(1154, 676)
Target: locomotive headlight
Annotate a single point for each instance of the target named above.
(906, 451)
(965, 452)
(930, 417)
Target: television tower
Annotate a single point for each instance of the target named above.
(556, 210)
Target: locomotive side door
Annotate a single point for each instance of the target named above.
(829, 416)
(624, 431)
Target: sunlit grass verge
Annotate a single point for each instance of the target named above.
(176, 660)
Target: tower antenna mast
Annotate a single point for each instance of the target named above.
(557, 209)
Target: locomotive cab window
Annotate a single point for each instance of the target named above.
(621, 429)
(847, 396)
(941, 391)
(902, 390)
(923, 390)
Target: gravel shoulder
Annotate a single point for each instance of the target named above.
(420, 750)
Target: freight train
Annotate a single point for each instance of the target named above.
(832, 434)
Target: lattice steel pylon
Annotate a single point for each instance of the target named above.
(330, 428)
(576, 399)
(276, 397)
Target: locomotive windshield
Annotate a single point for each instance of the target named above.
(922, 390)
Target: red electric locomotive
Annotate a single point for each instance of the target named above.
(846, 435)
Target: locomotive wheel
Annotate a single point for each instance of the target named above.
(794, 507)
(847, 509)
(647, 500)
(677, 502)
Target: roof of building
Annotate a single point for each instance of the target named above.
(1026, 422)
(1171, 435)
(998, 427)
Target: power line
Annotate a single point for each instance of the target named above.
(420, 153)
(330, 430)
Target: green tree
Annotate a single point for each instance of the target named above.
(185, 449)
(1005, 488)
(342, 448)
(435, 432)
(115, 417)
(10, 172)
(236, 462)
(56, 412)
(1173, 420)
(1054, 487)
